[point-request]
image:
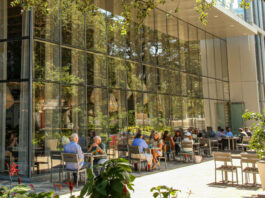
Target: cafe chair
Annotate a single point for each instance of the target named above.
(205, 148)
(245, 143)
(73, 158)
(163, 157)
(249, 166)
(122, 151)
(136, 156)
(223, 162)
(183, 154)
(56, 163)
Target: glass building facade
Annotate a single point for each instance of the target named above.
(77, 73)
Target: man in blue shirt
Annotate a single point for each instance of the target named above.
(228, 132)
(75, 148)
(138, 141)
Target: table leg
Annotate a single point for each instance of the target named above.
(226, 176)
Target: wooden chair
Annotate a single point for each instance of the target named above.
(135, 155)
(245, 143)
(170, 152)
(214, 145)
(56, 156)
(205, 146)
(246, 160)
(164, 157)
(225, 167)
(185, 145)
(122, 151)
(73, 158)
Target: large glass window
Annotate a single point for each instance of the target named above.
(88, 77)
(14, 126)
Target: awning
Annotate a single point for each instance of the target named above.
(221, 22)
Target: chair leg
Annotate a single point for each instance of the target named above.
(222, 176)
(232, 178)
(215, 176)
(236, 177)
(242, 176)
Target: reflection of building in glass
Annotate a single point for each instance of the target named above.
(87, 77)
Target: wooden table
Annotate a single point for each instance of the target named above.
(234, 140)
(92, 157)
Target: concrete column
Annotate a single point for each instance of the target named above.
(243, 72)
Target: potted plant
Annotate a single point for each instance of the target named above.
(114, 181)
(257, 142)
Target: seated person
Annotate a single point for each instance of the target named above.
(187, 138)
(220, 134)
(138, 141)
(98, 148)
(229, 132)
(177, 139)
(74, 147)
(242, 133)
(248, 131)
(168, 142)
(157, 151)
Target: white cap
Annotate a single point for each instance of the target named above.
(187, 134)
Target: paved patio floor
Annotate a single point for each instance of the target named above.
(194, 180)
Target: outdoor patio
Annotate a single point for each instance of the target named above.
(194, 180)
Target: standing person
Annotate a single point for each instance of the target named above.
(138, 141)
(74, 147)
(177, 139)
(168, 142)
(157, 144)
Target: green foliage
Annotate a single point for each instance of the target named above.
(114, 181)
(22, 191)
(164, 192)
(132, 11)
(257, 142)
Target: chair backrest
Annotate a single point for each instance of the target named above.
(51, 144)
(122, 147)
(56, 155)
(186, 145)
(222, 157)
(249, 159)
(204, 141)
(133, 150)
(245, 139)
(70, 157)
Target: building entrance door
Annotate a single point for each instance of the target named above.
(236, 111)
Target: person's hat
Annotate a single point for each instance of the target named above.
(187, 134)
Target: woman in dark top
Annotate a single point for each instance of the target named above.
(177, 139)
(168, 142)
